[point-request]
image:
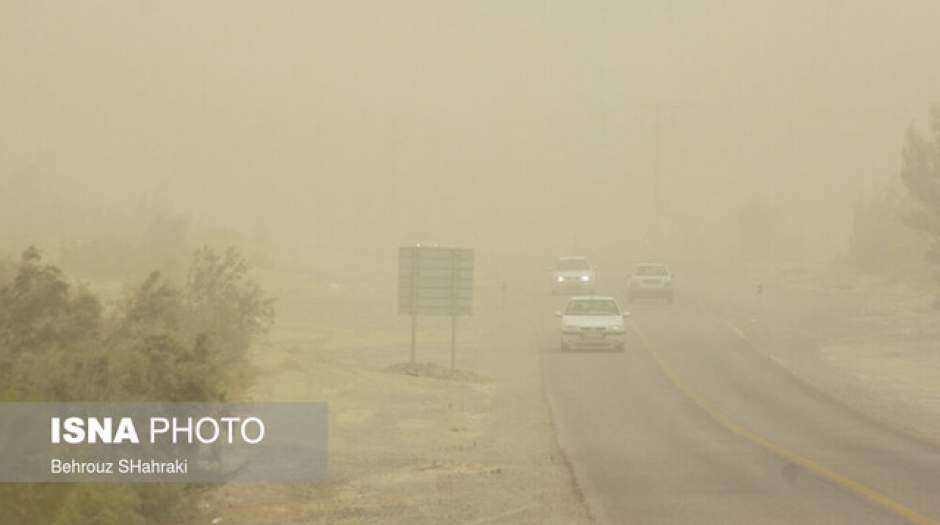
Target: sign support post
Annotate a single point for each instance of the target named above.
(414, 334)
(455, 278)
(453, 340)
(435, 280)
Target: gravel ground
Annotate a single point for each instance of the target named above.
(412, 443)
(871, 346)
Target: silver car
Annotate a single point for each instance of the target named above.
(650, 281)
(573, 275)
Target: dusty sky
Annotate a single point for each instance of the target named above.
(522, 125)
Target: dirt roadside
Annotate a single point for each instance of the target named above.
(872, 346)
(412, 444)
(890, 367)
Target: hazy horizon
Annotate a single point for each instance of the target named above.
(338, 126)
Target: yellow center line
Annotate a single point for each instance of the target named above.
(821, 471)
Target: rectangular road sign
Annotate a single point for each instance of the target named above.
(435, 280)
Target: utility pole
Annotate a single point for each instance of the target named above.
(658, 178)
(654, 234)
(454, 283)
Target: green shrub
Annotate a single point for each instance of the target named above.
(161, 344)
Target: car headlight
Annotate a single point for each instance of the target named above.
(618, 328)
(560, 278)
(585, 278)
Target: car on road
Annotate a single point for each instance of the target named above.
(592, 322)
(573, 275)
(650, 281)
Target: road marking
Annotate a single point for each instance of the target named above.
(737, 331)
(821, 471)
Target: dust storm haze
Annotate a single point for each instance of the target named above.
(349, 128)
(267, 161)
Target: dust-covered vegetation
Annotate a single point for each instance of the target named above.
(896, 232)
(162, 243)
(162, 342)
(921, 175)
(882, 243)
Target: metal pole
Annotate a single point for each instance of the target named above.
(657, 181)
(414, 331)
(453, 340)
(454, 279)
(415, 277)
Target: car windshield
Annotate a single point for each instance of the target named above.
(573, 264)
(652, 269)
(592, 307)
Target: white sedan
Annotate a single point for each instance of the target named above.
(592, 322)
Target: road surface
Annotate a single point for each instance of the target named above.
(691, 425)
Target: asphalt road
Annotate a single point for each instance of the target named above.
(691, 425)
